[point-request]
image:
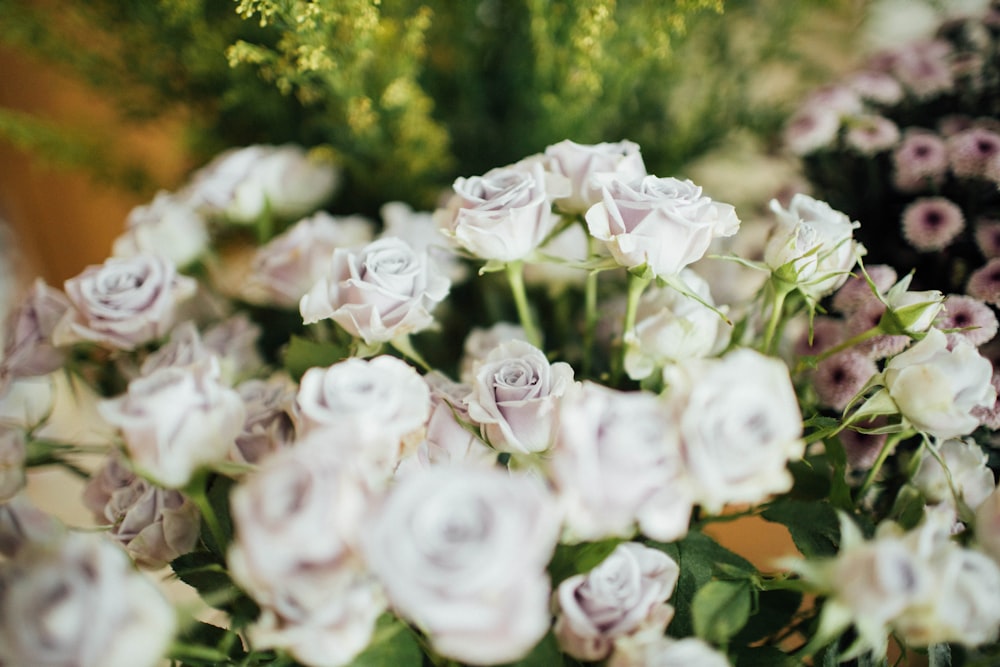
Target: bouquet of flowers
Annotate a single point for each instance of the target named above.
(494, 433)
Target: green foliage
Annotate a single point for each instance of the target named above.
(392, 644)
(814, 526)
(720, 609)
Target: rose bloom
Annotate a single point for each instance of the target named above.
(154, 525)
(234, 342)
(480, 342)
(184, 348)
(504, 214)
(672, 327)
(666, 652)
(80, 602)
(419, 229)
(739, 423)
(937, 389)
(124, 303)
(169, 225)
(24, 527)
(242, 184)
(28, 349)
(515, 396)
(296, 520)
(617, 463)
(288, 265)
(664, 224)
(271, 418)
(176, 420)
(378, 292)
(987, 525)
(812, 246)
(585, 165)
(462, 554)
(966, 473)
(613, 600)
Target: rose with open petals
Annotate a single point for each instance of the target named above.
(938, 389)
(378, 292)
(617, 463)
(124, 302)
(740, 424)
(462, 554)
(515, 396)
(80, 602)
(176, 420)
(664, 224)
(271, 418)
(505, 213)
(169, 225)
(585, 166)
(28, 350)
(624, 592)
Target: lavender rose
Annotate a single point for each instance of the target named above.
(613, 600)
(515, 396)
(271, 418)
(378, 292)
(28, 348)
(79, 602)
(585, 166)
(617, 463)
(124, 302)
(504, 214)
(154, 525)
(169, 225)
(664, 224)
(462, 554)
(176, 420)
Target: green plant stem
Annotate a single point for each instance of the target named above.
(405, 346)
(636, 286)
(850, 342)
(515, 276)
(196, 491)
(590, 321)
(777, 311)
(887, 449)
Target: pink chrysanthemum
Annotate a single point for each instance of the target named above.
(811, 129)
(863, 448)
(838, 379)
(977, 320)
(866, 317)
(920, 160)
(870, 134)
(990, 417)
(856, 291)
(984, 283)
(932, 223)
(877, 87)
(954, 123)
(975, 153)
(826, 332)
(923, 68)
(841, 100)
(988, 238)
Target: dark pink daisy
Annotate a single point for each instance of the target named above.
(923, 68)
(826, 332)
(984, 283)
(879, 87)
(988, 237)
(866, 317)
(975, 153)
(990, 417)
(870, 134)
(839, 378)
(856, 291)
(811, 129)
(863, 448)
(932, 223)
(977, 321)
(920, 160)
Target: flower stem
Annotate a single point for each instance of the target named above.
(636, 286)
(850, 342)
(590, 321)
(196, 491)
(515, 276)
(405, 346)
(777, 310)
(887, 449)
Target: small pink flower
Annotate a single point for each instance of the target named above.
(988, 238)
(879, 347)
(921, 160)
(975, 153)
(990, 416)
(932, 223)
(856, 292)
(839, 378)
(923, 68)
(976, 320)
(811, 129)
(826, 332)
(985, 283)
(877, 87)
(871, 134)
(863, 448)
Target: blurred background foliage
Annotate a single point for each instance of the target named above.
(409, 94)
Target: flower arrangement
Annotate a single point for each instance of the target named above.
(495, 433)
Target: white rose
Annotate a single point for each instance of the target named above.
(154, 525)
(812, 245)
(378, 292)
(966, 467)
(463, 554)
(480, 342)
(612, 600)
(234, 342)
(296, 520)
(169, 225)
(584, 165)
(515, 396)
(672, 327)
(184, 348)
(667, 652)
(124, 302)
(287, 266)
(271, 418)
(740, 424)
(420, 230)
(504, 214)
(616, 463)
(937, 389)
(911, 312)
(79, 602)
(244, 183)
(176, 420)
(662, 223)
(988, 524)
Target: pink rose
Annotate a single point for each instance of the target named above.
(586, 165)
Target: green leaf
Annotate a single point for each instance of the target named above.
(939, 655)
(814, 526)
(206, 644)
(303, 354)
(765, 656)
(207, 574)
(545, 654)
(720, 609)
(775, 609)
(908, 508)
(219, 488)
(572, 559)
(392, 644)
